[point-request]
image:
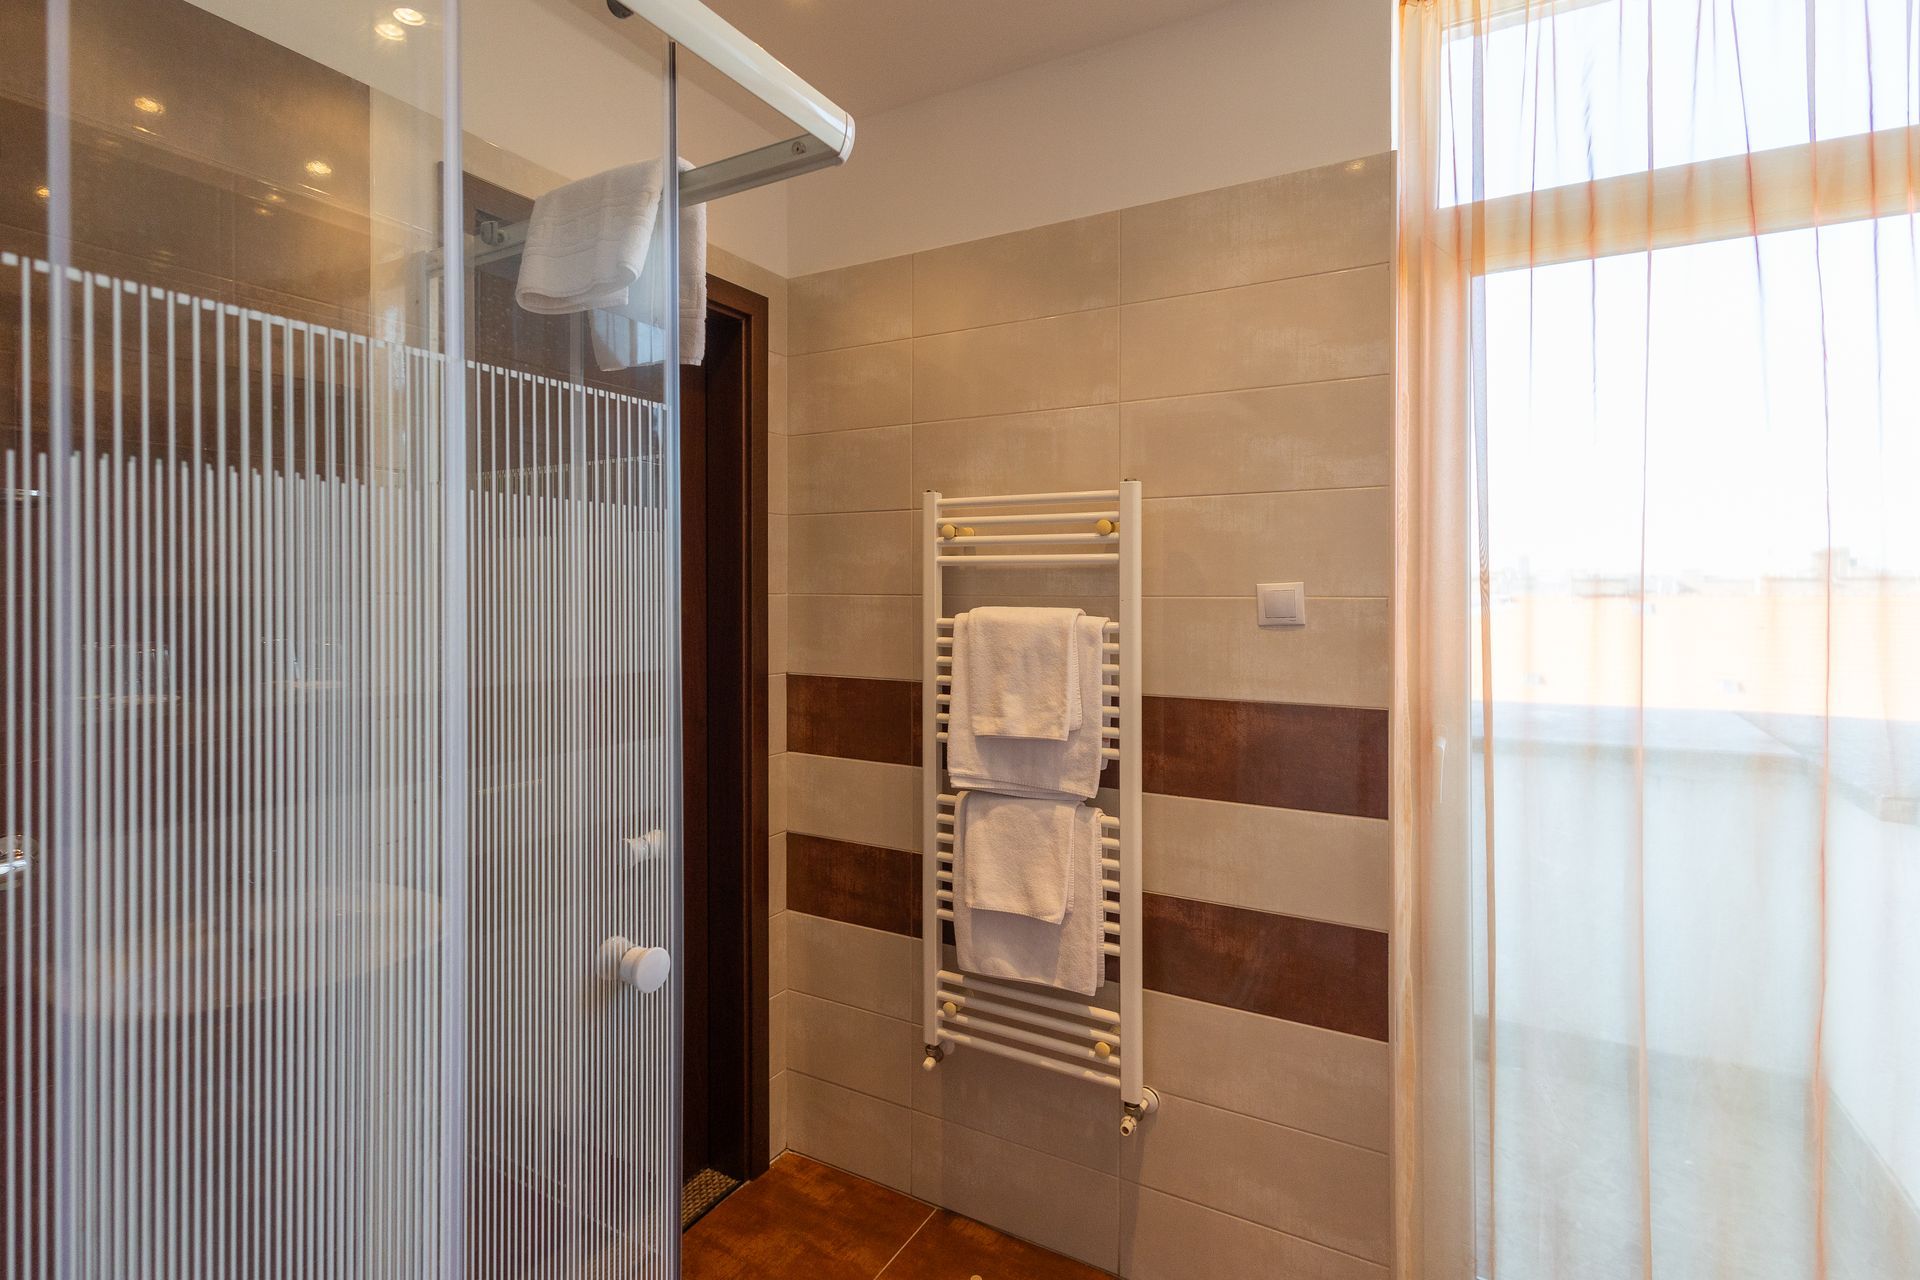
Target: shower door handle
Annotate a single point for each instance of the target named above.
(643, 968)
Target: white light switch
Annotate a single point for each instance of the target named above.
(1283, 604)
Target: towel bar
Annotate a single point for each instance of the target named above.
(1043, 1027)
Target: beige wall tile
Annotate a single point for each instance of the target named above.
(1325, 219)
(855, 800)
(777, 952)
(777, 1116)
(779, 469)
(851, 307)
(778, 619)
(863, 553)
(1313, 1187)
(777, 554)
(776, 714)
(778, 1037)
(1337, 1086)
(779, 390)
(1309, 329)
(777, 881)
(851, 1047)
(867, 968)
(1058, 449)
(1023, 1104)
(779, 326)
(777, 792)
(1166, 1238)
(1212, 647)
(850, 1130)
(873, 636)
(849, 389)
(1054, 363)
(1339, 542)
(751, 275)
(1313, 435)
(1045, 271)
(867, 470)
(1321, 866)
(1054, 1203)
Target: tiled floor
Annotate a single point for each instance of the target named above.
(812, 1222)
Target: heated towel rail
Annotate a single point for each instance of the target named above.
(1095, 534)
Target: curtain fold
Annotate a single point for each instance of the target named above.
(1657, 616)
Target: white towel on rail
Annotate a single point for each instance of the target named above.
(1028, 766)
(1019, 852)
(1067, 955)
(1025, 682)
(587, 249)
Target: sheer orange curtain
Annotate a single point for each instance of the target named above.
(1657, 771)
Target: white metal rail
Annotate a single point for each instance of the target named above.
(1041, 1026)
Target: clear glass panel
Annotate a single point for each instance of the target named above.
(1703, 569)
(1575, 90)
(326, 793)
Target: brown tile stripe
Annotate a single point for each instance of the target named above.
(1290, 756)
(1325, 975)
(859, 884)
(856, 719)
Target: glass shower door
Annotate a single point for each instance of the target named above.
(339, 686)
(574, 626)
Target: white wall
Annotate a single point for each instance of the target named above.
(1245, 92)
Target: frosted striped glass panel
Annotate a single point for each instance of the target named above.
(223, 697)
(221, 932)
(574, 734)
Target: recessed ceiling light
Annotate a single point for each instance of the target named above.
(389, 31)
(149, 106)
(319, 168)
(274, 197)
(412, 17)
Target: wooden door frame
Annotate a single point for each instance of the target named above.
(739, 1092)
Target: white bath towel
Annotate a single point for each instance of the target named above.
(635, 335)
(1066, 955)
(1023, 669)
(587, 249)
(1019, 852)
(1027, 766)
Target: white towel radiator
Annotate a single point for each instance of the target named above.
(1077, 536)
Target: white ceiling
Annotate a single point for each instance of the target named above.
(871, 55)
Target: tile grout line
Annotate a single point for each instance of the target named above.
(1119, 401)
(1382, 1267)
(932, 1211)
(1121, 303)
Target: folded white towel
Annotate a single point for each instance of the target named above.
(997, 944)
(588, 245)
(1018, 853)
(1023, 673)
(1027, 766)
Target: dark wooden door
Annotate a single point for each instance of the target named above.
(723, 487)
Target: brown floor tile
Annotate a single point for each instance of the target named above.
(951, 1247)
(801, 1219)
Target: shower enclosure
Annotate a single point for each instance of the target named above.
(341, 676)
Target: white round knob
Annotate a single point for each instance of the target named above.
(643, 968)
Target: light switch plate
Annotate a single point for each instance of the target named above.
(1282, 604)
